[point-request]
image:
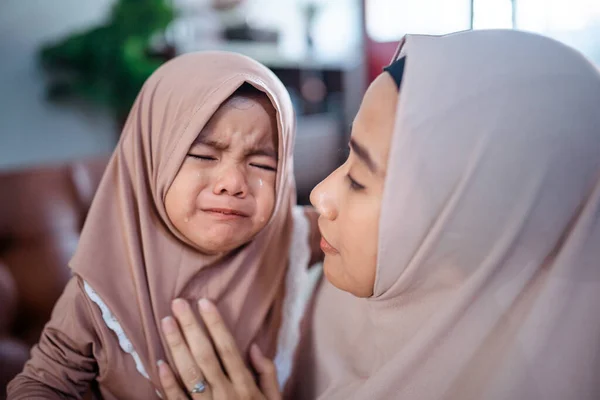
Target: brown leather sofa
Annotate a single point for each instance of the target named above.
(42, 211)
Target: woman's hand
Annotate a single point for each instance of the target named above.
(200, 366)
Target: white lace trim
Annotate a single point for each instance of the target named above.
(299, 285)
(112, 323)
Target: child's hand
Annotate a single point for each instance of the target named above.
(200, 366)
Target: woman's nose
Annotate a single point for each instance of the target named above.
(322, 198)
(231, 180)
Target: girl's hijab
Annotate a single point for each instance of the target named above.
(135, 260)
(488, 276)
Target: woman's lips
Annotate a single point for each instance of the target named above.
(327, 248)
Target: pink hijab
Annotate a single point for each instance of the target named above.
(488, 275)
(135, 260)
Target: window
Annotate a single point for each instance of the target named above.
(574, 22)
(492, 14)
(389, 20)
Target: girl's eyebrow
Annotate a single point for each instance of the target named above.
(215, 144)
(255, 150)
(262, 151)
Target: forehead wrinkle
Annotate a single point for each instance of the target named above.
(240, 102)
(222, 135)
(252, 144)
(257, 143)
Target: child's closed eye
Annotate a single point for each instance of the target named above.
(202, 157)
(264, 166)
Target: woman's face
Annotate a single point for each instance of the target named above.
(224, 192)
(349, 200)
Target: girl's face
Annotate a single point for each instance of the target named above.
(224, 192)
(349, 200)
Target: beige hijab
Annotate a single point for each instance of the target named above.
(488, 276)
(131, 255)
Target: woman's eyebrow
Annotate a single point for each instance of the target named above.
(363, 154)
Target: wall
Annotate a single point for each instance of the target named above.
(33, 131)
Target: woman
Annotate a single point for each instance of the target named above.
(461, 236)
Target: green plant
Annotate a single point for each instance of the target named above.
(108, 64)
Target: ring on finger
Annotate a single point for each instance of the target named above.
(199, 387)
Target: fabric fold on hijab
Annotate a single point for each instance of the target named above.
(131, 255)
(488, 275)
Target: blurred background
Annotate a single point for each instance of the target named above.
(70, 70)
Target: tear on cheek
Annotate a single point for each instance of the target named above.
(258, 184)
(262, 185)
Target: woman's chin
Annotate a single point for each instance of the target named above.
(331, 272)
(335, 275)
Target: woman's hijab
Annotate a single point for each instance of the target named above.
(133, 258)
(488, 274)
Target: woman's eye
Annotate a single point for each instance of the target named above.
(202, 157)
(263, 166)
(354, 185)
